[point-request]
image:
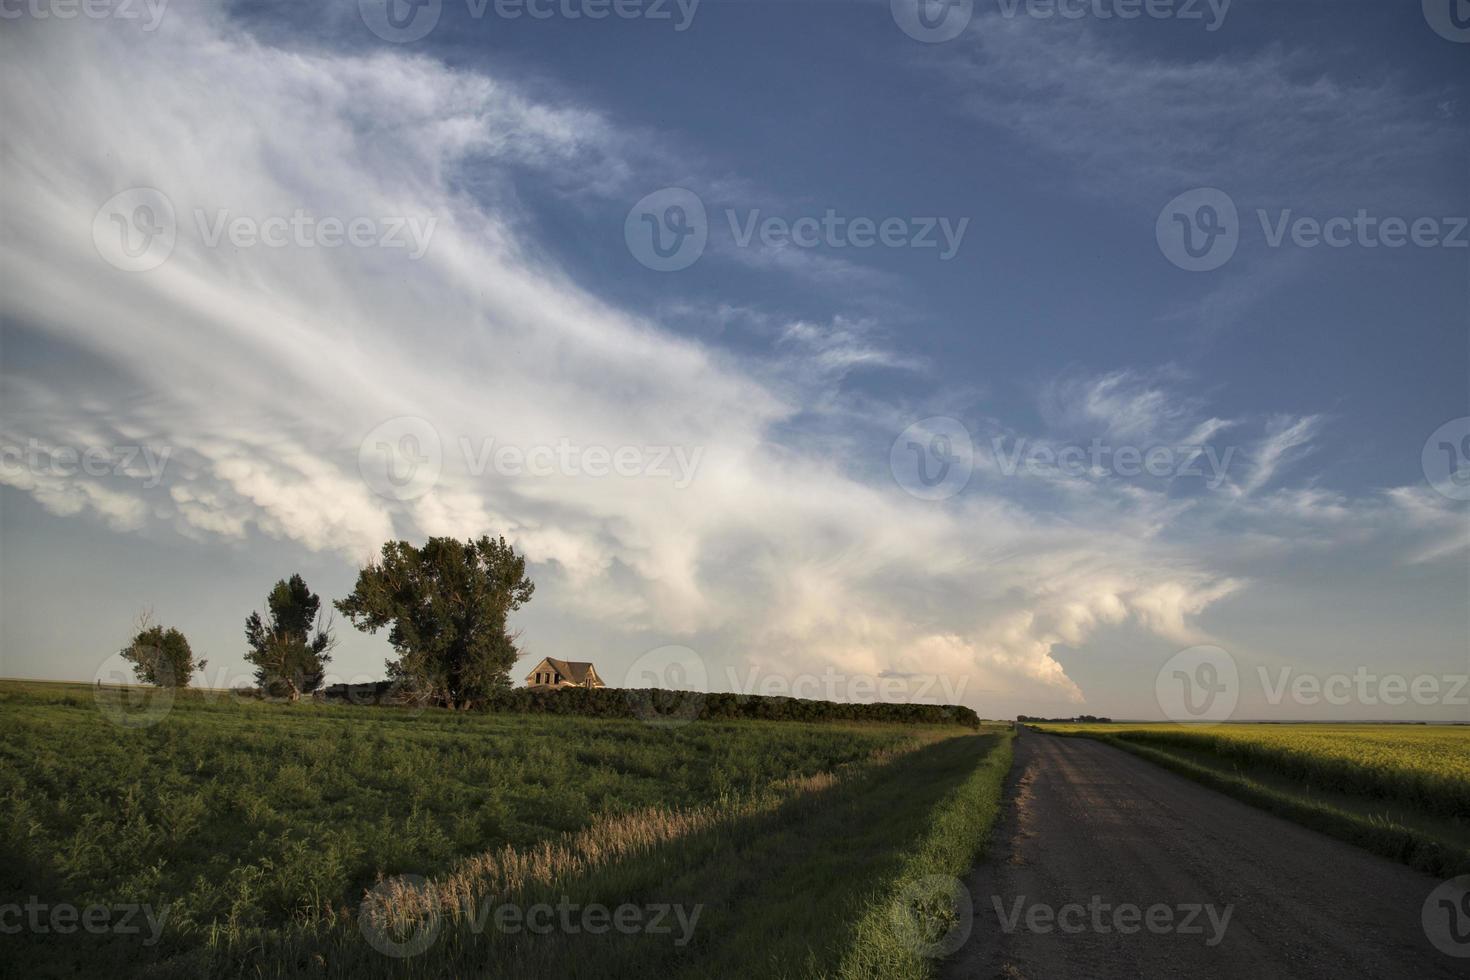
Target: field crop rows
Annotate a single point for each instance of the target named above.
(261, 827)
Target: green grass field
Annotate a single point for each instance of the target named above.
(261, 827)
(1401, 790)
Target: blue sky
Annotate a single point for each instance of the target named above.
(797, 540)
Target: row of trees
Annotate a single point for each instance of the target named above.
(446, 606)
(1080, 720)
(658, 704)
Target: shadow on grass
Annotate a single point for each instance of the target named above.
(775, 894)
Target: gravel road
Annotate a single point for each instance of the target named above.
(1093, 841)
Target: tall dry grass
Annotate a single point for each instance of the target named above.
(495, 876)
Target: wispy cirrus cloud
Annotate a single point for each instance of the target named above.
(264, 370)
(1277, 127)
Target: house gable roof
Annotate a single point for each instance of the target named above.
(576, 671)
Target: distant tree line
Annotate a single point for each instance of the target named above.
(1079, 720)
(446, 607)
(659, 704)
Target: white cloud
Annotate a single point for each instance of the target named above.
(1287, 439)
(264, 369)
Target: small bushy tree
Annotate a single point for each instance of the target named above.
(291, 650)
(446, 606)
(160, 656)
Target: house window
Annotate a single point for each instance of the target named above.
(558, 678)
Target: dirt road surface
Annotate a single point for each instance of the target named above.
(1089, 826)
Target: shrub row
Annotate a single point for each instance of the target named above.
(658, 705)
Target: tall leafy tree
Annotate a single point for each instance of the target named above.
(290, 651)
(446, 606)
(160, 656)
